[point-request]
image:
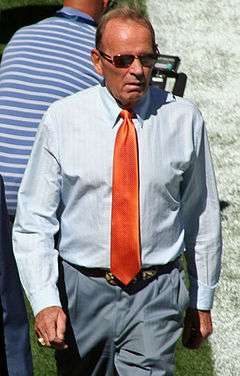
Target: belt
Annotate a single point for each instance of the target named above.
(143, 275)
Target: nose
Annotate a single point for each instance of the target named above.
(136, 67)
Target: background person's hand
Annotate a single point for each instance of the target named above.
(50, 326)
(197, 328)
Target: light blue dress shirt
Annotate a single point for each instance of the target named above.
(68, 181)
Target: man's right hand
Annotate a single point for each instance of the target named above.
(197, 327)
(50, 326)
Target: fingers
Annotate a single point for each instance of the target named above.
(194, 341)
(197, 328)
(205, 321)
(59, 342)
(61, 325)
(50, 326)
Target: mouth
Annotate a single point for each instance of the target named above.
(135, 85)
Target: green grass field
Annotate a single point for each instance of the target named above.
(187, 361)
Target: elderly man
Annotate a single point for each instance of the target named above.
(124, 171)
(42, 63)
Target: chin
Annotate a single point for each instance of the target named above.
(133, 99)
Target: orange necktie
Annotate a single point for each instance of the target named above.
(125, 242)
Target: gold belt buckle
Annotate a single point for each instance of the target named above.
(147, 274)
(110, 278)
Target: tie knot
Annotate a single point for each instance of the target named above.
(125, 114)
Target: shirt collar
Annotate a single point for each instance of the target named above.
(113, 109)
(147, 105)
(75, 12)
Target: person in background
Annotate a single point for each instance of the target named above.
(15, 352)
(124, 171)
(42, 63)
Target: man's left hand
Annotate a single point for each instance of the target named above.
(197, 328)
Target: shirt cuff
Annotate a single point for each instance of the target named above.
(201, 296)
(48, 297)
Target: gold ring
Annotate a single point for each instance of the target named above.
(41, 341)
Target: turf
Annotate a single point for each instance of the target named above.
(194, 362)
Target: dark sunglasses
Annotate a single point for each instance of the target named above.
(124, 61)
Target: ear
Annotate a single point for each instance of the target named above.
(97, 62)
(105, 3)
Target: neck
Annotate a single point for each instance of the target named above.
(125, 106)
(73, 4)
(93, 8)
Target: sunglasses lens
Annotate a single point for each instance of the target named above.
(148, 60)
(123, 61)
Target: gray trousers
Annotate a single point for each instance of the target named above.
(126, 332)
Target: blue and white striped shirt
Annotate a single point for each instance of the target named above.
(42, 63)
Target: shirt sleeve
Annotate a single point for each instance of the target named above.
(36, 220)
(201, 216)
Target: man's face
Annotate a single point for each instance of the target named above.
(127, 85)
